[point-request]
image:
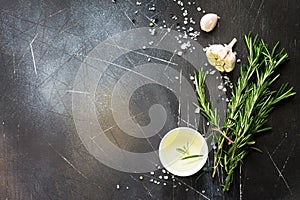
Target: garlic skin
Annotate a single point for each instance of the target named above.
(208, 22)
(221, 57)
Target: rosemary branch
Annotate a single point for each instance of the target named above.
(247, 113)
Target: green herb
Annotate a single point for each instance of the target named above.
(252, 101)
(192, 156)
(185, 150)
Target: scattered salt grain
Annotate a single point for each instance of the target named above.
(138, 3)
(186, 45)
(198, 9)
(166, 177)
(163, 171)
(180, 54)
(152, 31)
(118, 187)
(212, 72)
(185, 13)
(160, 177)
(152, 173)
(165, 184)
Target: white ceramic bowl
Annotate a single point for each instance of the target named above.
(171, 158)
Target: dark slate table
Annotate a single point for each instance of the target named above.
(69, 84)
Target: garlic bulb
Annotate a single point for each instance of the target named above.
(208, 22)
(221, 57)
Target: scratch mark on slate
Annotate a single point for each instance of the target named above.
(279, 172)
(257, 14)
(144, 186)
(32, 54)
(78, 92)
(192, 188)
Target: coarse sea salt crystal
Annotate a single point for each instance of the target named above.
(185, 13)
(198, 9)
(212, 72)
(152, 31)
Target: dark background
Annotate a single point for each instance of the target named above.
(42, 157)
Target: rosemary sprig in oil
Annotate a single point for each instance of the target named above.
(185, 150)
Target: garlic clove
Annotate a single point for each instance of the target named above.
(208, 22)
(229, 62)
(219, 68)
(221, 57)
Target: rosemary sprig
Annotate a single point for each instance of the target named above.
(252, 101)
(185, 150)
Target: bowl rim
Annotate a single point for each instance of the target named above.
(186, 172)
